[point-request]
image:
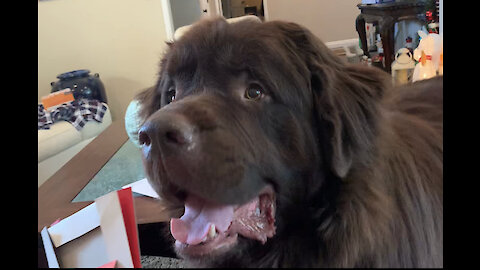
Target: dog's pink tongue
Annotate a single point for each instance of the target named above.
(199, 215)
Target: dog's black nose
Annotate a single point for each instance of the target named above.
(143, 137)
(166, 131)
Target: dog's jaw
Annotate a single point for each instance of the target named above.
(208, 230)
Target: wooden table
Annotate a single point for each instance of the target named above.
(56, 194)
(387, 15)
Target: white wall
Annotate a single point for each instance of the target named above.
(122, 40)
(330, 20)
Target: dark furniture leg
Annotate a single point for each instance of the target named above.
(360, 26)
(386, 33)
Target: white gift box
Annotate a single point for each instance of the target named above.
(103, 234)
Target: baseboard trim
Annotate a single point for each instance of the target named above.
(342, 43)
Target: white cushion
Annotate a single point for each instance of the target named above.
(63, 135)
(50, 165)
(59, 137)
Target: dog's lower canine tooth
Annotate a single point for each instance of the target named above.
(211, 231)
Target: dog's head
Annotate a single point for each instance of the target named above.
(246, 123)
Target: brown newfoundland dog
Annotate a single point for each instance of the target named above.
(283, 155)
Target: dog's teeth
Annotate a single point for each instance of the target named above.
(257, 211)
(211, 231)
(204, 239)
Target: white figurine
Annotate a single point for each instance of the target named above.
(428, 55)
(402, 67)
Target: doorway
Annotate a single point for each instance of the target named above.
(238, 8)
(178, 13)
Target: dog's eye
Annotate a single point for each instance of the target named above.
(254, 92)
(170, 96)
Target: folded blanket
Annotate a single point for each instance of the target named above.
(76, 112)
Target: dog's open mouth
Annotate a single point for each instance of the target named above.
(208, 228)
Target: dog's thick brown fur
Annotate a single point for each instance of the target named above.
(358, 164)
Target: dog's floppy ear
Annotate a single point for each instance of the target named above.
(346, 104)
(148, 100)
(345, 98)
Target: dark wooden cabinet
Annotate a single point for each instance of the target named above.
(386, 15)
